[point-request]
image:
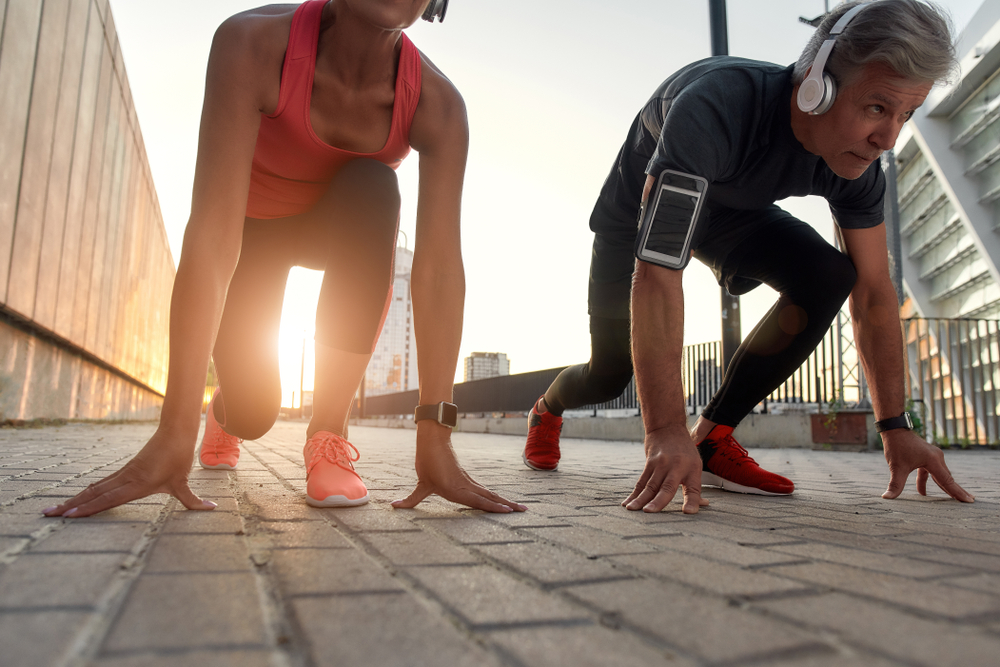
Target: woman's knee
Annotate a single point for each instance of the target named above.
(247, 419)
(369, 181)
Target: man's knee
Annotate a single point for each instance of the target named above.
(611, 386)
(827, 282)
(838, 275)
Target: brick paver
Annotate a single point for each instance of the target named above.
(833, 575)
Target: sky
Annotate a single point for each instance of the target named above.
(551, 88)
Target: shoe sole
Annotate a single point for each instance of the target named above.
(708, 479)
(337, 501)
(534, 467)
(219, 466)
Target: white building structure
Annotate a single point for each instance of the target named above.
(948, 161)
(393, 366)
(482, 365)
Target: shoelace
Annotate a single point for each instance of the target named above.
(546, 431)
(334, 449)
(222, 439)
(734, 451)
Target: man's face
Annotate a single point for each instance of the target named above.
(865, 120)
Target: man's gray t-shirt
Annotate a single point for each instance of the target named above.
(728, 120)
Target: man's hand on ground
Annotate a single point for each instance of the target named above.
(162, 466)
(438, 472)
(905, 451)
(672, 461)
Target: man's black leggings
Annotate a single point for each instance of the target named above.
(812, 278)
(351, 235)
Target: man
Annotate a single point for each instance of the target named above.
(759, 133)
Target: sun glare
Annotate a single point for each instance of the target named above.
(296, 348)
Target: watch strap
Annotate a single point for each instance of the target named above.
(443, 413)
(902, 421)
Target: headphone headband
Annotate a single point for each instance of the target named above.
(435, 10)
(818, 91)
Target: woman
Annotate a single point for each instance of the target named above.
(307, 111)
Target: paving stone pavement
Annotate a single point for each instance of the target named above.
(833, 575)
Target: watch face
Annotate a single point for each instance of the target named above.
(449, 414)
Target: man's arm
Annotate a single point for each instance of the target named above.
(657, 345)
(874, 314)
(657, 341)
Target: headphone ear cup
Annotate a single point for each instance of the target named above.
(816, 96)
(810, 94)
(829, 95)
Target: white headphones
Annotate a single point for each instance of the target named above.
(818, 90)
(435, 10)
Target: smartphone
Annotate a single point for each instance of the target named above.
(668, 221)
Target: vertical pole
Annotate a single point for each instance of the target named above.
(892, 224)
(730, 305)
(718, 26)
(302, 373)
(990, 338)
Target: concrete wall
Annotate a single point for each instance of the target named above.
(84, 262)
(41, 379)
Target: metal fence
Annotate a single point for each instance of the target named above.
(954, 370)
(953, 374)
(830, 375)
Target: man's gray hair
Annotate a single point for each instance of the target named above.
(910, 37)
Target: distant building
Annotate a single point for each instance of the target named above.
(482, 365)
(393, 366)
(948, 161)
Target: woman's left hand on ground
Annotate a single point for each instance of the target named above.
(905, 451)
(438, 472)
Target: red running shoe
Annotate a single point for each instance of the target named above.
(218, 450)
(541, 451)
(727, 465)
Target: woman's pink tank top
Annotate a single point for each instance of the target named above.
(292, 167)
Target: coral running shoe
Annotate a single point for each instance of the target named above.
(330, 477)
(541, 451)
(219, 450)
(727, 465)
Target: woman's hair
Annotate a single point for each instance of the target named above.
(910, 37)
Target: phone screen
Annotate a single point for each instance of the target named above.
(666, 234)
(672, 218)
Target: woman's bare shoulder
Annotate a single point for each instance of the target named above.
(249, 49)
(437, 90)
(261, 32)
(440, 119)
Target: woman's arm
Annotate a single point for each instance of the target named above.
(229, 123)
(440, 134)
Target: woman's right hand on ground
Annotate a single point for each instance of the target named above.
(162, 466)
(438, 472)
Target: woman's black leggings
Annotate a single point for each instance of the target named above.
(813, 280)
(351, 235)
